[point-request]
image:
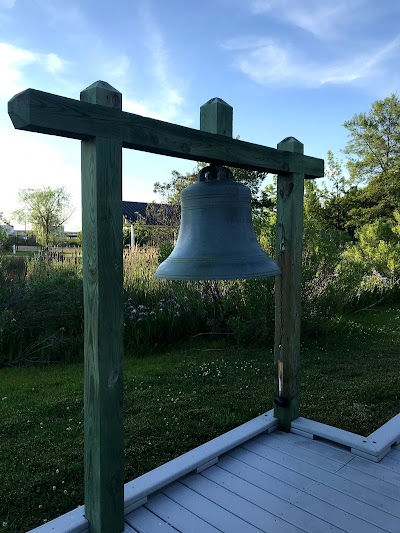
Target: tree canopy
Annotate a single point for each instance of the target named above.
(373, 150)
(46, 210)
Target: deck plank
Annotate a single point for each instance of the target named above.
(284, 454)
(366, 489)
(376, 470)
(238, 506)
(316, 491)
(304, 454)
(177, 516)
(316, 446)
(262, 494)
(395, 453)
(375, 484)
(144, 521)
(372, 515)
(391, 462)
(273, 474)
(337, 517)
(129, 529)
(208, 510)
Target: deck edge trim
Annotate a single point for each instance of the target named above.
(167, 473)
(377, 444)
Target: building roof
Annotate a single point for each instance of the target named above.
(133, 210)
(130, 210)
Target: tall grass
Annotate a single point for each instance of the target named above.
(41, 313)
(41, 302)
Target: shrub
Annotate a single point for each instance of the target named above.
(42, 315)
(164, 251)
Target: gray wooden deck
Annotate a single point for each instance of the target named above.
(316, 479)
(279, 483)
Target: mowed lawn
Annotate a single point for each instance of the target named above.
(178, 400)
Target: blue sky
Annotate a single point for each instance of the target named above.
(288, 67)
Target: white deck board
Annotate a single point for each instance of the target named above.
(279, 453)
(395, 453)
(335, 434)
(355, 507)
(341, 519)
(366, 480)
(376, 514)
(208, 510)
(316, 446)
(376, 470)
(303, 476)
(330, 459)
(262, 495)
(271, 475)
(318, 496)
(144, 521)
(389, 461)
(264, 482)
(387, 434)
(238, 506)
(177, 516)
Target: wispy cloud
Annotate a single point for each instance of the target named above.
(271, 63)
(65, 12)
(7, 4)
(167, 99)
(323, 18)
(117, 68)
(337, 45)
(14, 60)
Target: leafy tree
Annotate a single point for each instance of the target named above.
(4, 240)
(334, 194)
(374, 144)
(327, 205)
(375, 258)
(169, 191)
(374, 157)
(46, 210)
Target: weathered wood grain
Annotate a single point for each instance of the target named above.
(42, 112)
(102, 283)
(216, 116)
(289, 234)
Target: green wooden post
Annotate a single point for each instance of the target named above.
(289, 233)
(102, 284)
(216, 116)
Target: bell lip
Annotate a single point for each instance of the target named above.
(221, 278)
(188, 274)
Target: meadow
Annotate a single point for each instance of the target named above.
(179, 399)
(198, 362)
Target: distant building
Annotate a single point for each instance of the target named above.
(71, 234)
(9, 229)
(161, 220)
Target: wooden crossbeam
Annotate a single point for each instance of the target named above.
(41, 112)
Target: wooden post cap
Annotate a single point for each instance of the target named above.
(290, 144)
(216, 116)
(102, 93)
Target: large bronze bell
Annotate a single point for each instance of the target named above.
(216, 237)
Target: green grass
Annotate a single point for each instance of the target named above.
(178, 400)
